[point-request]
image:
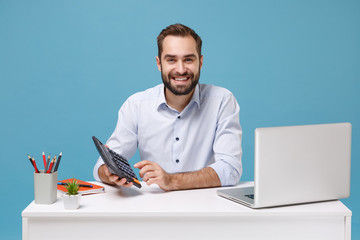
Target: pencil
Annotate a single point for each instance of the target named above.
(44, 159)
(36, 169)
(57, 162)
(30, 160)
(51, 164)
(53, 167)
(47, 163)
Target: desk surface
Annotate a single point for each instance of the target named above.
(200, 213)
(152, 201)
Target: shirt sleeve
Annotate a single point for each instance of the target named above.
(124, 138)
(227, 143)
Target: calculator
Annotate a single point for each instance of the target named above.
(116, 163)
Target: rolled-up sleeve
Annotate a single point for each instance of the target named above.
(227, 143)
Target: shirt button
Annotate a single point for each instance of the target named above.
(177, 139)
(179, 117)
(177, 161)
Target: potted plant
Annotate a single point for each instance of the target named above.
(72, 196)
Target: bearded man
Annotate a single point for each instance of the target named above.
(188, 134)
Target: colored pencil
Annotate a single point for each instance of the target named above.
(44, 159)
(57, 163)
(36, 169)
(51, 165)
(30, 160)
(47, 163)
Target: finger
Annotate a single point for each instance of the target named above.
(152, 180)
(119, 181)
(106, 171)
(149, 175)
(146, 169)
(123, 182)
(114, 178)
(142, 164)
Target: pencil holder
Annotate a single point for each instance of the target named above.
(45, 187)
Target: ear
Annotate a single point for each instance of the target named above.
(158, 63)
(201, 61)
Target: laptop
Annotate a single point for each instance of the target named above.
(298, 164)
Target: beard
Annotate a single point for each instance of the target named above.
(180, 90)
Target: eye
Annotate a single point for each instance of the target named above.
(189, 60)
(170, 60)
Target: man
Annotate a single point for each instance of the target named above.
(188, 134)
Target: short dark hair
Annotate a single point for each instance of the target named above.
(178, 30)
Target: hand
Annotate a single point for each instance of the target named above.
(151, 173)
(107, 177)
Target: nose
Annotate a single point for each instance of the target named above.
(180, 68)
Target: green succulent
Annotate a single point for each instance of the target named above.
(72, 187)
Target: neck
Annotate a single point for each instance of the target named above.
(178, 102)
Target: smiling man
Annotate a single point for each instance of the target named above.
(188, 134)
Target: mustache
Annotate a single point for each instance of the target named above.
(181, 75)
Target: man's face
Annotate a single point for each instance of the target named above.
(180, 64)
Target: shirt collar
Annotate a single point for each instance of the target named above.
(195, 98)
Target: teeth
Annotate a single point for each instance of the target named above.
(180, 79)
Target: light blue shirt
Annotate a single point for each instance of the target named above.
(207, 133)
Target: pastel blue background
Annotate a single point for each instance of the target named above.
(67, 66)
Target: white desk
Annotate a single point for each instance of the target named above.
(150, 213)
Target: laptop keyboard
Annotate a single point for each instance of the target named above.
(122, 164)
(250, 196)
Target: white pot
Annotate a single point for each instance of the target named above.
(71, 202)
